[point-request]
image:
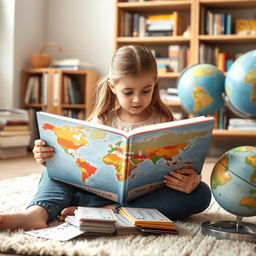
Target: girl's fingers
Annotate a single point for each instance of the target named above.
(39, 143)
(43, 155)
(37, 150)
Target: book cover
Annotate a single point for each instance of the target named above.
(95, 214)
(122, 166)
(144, 216)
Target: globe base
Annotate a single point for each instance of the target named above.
(233, 230)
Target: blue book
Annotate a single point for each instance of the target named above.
(122, 166)
(228, 24)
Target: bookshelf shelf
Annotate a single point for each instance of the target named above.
(233, 133)
(231, 4)
(51, 90)
(167, 75)
(73, 106)
(156, 6)
(154, 40)
(237, 39)
(193, 12)
(172, 103)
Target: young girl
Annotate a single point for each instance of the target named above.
(128, 98)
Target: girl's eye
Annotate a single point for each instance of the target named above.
(146, 91)
(127, 92)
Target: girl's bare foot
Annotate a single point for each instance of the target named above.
(35, 217)
(69, 211)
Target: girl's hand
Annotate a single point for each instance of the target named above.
(41, 152)
(184, 180)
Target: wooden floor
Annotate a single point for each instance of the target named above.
(10, 168)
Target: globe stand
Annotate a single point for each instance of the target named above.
(234, 230)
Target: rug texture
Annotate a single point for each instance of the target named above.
(17, 192)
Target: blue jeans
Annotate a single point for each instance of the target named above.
(55, 196)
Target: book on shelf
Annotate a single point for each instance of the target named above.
(170, 95)
(15, 151)
(149, 220)
(216, 23)
(36, 90)
(72, 63)
(140, 25)
(245, 27)
(122, 166)
(243, 124)
(72, 91)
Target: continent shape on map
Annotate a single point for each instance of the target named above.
(143, 150)
(220, 175)
(201, 99)
(203, 71)
(250, 78)
(70, 139)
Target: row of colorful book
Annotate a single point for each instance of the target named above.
(225, 24)
(216, 23)
(178, 58)
(217, 57)
(138, 25)
(14, 133)
(93, 221)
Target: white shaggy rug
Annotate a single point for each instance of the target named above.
(17, 192)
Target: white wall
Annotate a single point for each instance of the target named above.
(6, 51)
(84, 28)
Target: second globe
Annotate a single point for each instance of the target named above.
(200, 88)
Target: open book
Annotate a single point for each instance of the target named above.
(122, 166)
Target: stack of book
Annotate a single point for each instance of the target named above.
(102, 221)
(125, 227)
(242, 124)
(14, 133)
(94, 220)
(71, 64)
(149, 220)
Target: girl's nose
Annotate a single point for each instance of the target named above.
(136, 99)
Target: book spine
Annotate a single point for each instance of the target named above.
(126, 170)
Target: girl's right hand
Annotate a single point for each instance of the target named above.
(42, 152)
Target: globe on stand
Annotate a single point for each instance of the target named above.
(200, 88)
(233, 184)
(240, 85)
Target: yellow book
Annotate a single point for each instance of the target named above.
(146, 217)
(245, 27)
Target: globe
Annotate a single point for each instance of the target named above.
(240, 84)
(233, 181)
(200, 89)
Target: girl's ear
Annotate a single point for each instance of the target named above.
(112, 87)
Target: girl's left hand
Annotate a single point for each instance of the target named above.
(184, 180)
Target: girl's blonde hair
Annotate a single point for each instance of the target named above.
(127, 61)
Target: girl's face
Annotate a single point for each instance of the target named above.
(134, 94)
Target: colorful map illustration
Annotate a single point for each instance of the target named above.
(100, 159)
